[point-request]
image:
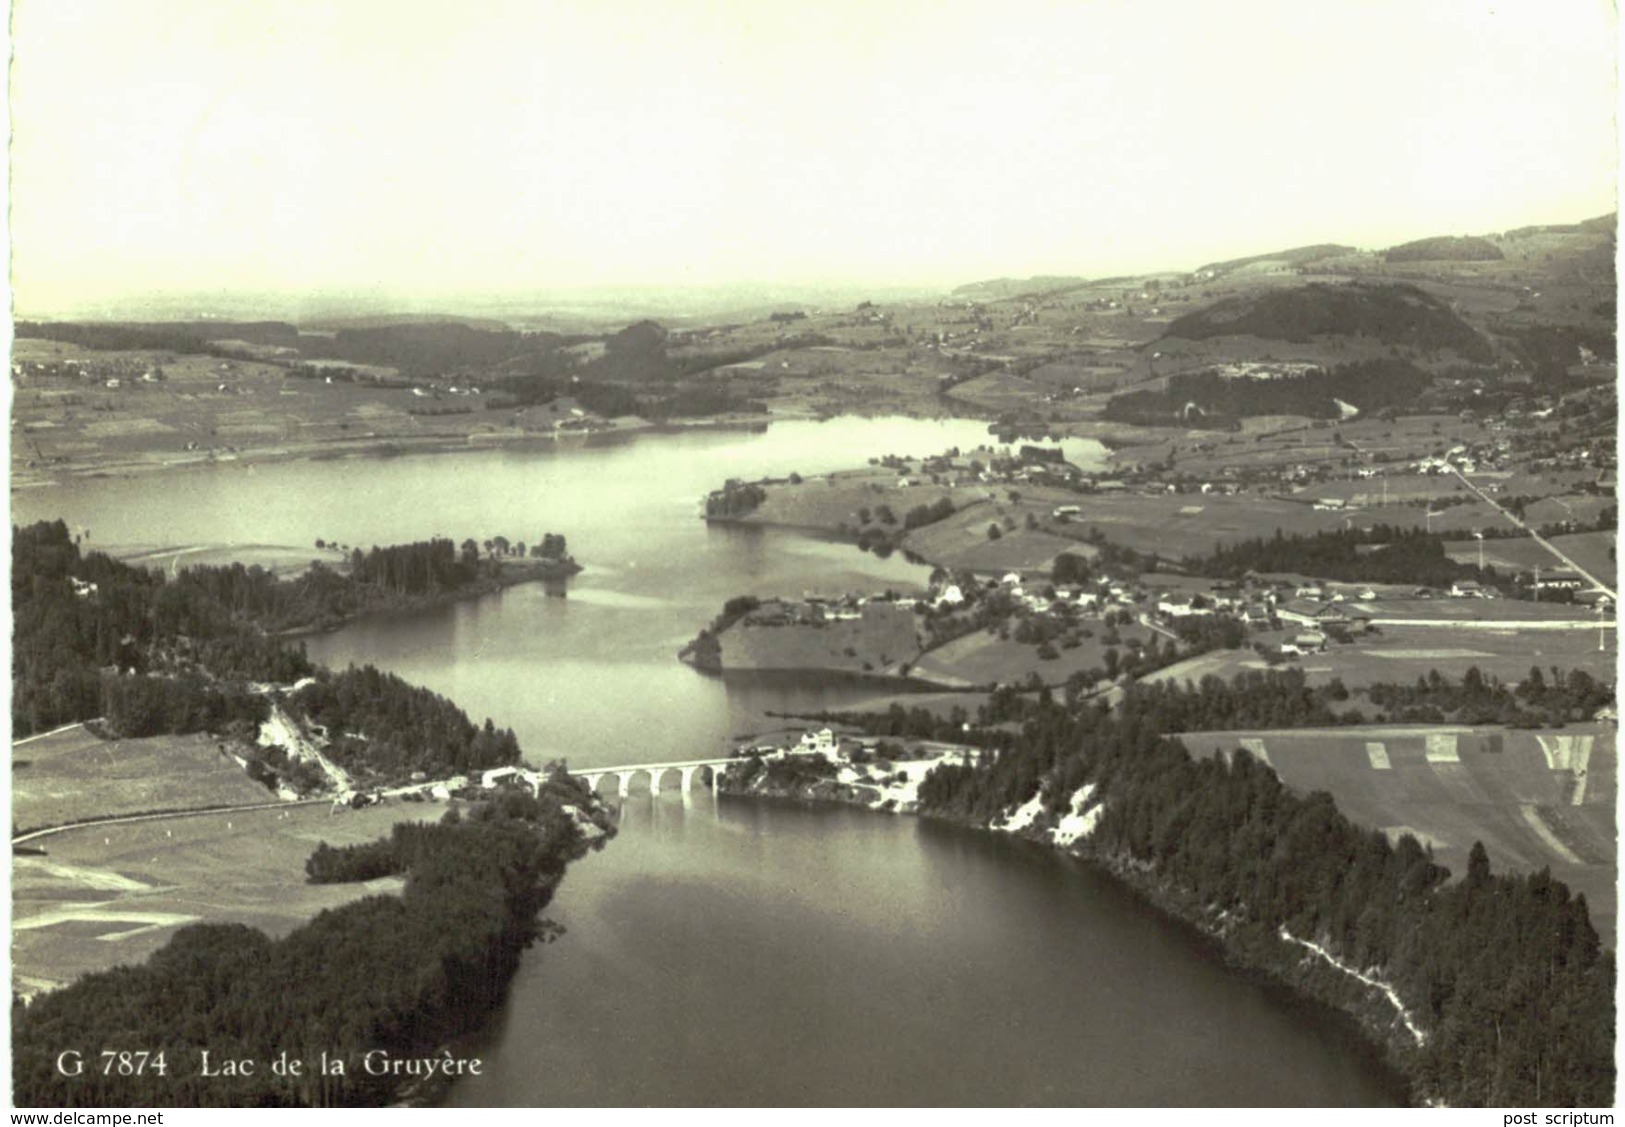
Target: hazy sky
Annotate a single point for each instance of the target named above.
(430, 147)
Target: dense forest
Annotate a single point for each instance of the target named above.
(399, 974)
(150, 655)
(95, 637)
(1393, 313)
(1211, 398)
(1504, 976)
(1380, 554)
(379, 725)
(1549, 351)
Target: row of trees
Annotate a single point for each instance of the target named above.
(1479, 698)
(1380, 554)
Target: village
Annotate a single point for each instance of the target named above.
(1114, 623)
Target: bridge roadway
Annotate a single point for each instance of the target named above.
(686, 768)
(592, 776)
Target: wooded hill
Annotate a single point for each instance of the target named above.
(151, 655)
(1211, 398)
(1392, 313)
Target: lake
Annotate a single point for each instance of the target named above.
(726, 951)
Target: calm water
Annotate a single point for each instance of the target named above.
(733, 952)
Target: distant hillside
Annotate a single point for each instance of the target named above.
(1297, 256)
(419, 350)
(636, 354)
(173, 336)
(1607, 224)
(1392, 313)
(997, 288)
(389, 320)
(1210, 398)
(1445, 248)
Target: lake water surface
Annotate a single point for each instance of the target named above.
(728, 951)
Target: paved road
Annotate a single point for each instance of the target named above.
(121, 819)
(1537, 537)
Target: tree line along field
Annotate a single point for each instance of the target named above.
(1403, 654)
(1535, 799)
(71, 775)
(1593, 551)
(105, 895)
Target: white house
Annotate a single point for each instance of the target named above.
(1178, 606)
(492, 777)
(822, 741)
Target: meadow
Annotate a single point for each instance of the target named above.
(70, 775)
(1535, 799)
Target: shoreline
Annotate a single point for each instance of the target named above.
(25, 477)
(38, 477)
(491, 585)
(1281, 961)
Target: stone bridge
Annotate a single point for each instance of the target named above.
(686, 770)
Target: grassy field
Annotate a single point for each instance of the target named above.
(1402, 654)
(105, 895)
(1176, 525)
(962, 540)
(877, 643)
(203, 412)
(71, 775)
(835, 502)
(1588, 549)
(1535, 800)
(982, 658)
(1397, 612)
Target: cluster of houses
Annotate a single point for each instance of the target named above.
(825, 742)
(959, 593)
(984, 466)
(1458, 457)
(818, 610)
(113, 373)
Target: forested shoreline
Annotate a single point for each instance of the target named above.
(148, 655)
(1504, 991)
(400, 975)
